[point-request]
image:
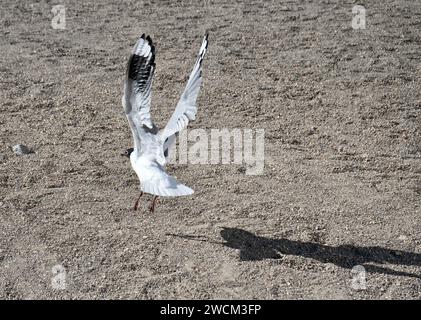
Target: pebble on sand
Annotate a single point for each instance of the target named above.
(21, 149)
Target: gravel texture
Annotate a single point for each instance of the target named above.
(341, 187)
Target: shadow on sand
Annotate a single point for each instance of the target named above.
(253, 248)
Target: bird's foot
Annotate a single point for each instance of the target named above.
(154, 202)
(136, 205)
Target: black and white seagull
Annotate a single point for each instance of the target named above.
(149, 154)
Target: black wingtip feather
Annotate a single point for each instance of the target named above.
(207, 40)
(139, 67)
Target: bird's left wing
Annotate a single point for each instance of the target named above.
(137, 87)
(186, 108)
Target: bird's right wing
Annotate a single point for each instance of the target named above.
(186, 108)
(137, 88)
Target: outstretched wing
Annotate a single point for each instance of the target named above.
(186, 108)
(137, 87)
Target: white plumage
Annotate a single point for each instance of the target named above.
(148, 159)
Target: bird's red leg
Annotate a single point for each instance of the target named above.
(152, 207)
(137, 201)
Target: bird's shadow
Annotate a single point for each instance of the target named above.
(254, 248)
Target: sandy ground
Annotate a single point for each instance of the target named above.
(341, 185)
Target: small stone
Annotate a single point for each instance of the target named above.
(311, 131)
(241, 170)
(21, 149)
(402, 237)
(329, 267)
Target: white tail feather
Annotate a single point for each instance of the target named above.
(168, 187)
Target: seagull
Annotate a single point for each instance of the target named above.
(149, 154)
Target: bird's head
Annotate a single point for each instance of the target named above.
(127, 153)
